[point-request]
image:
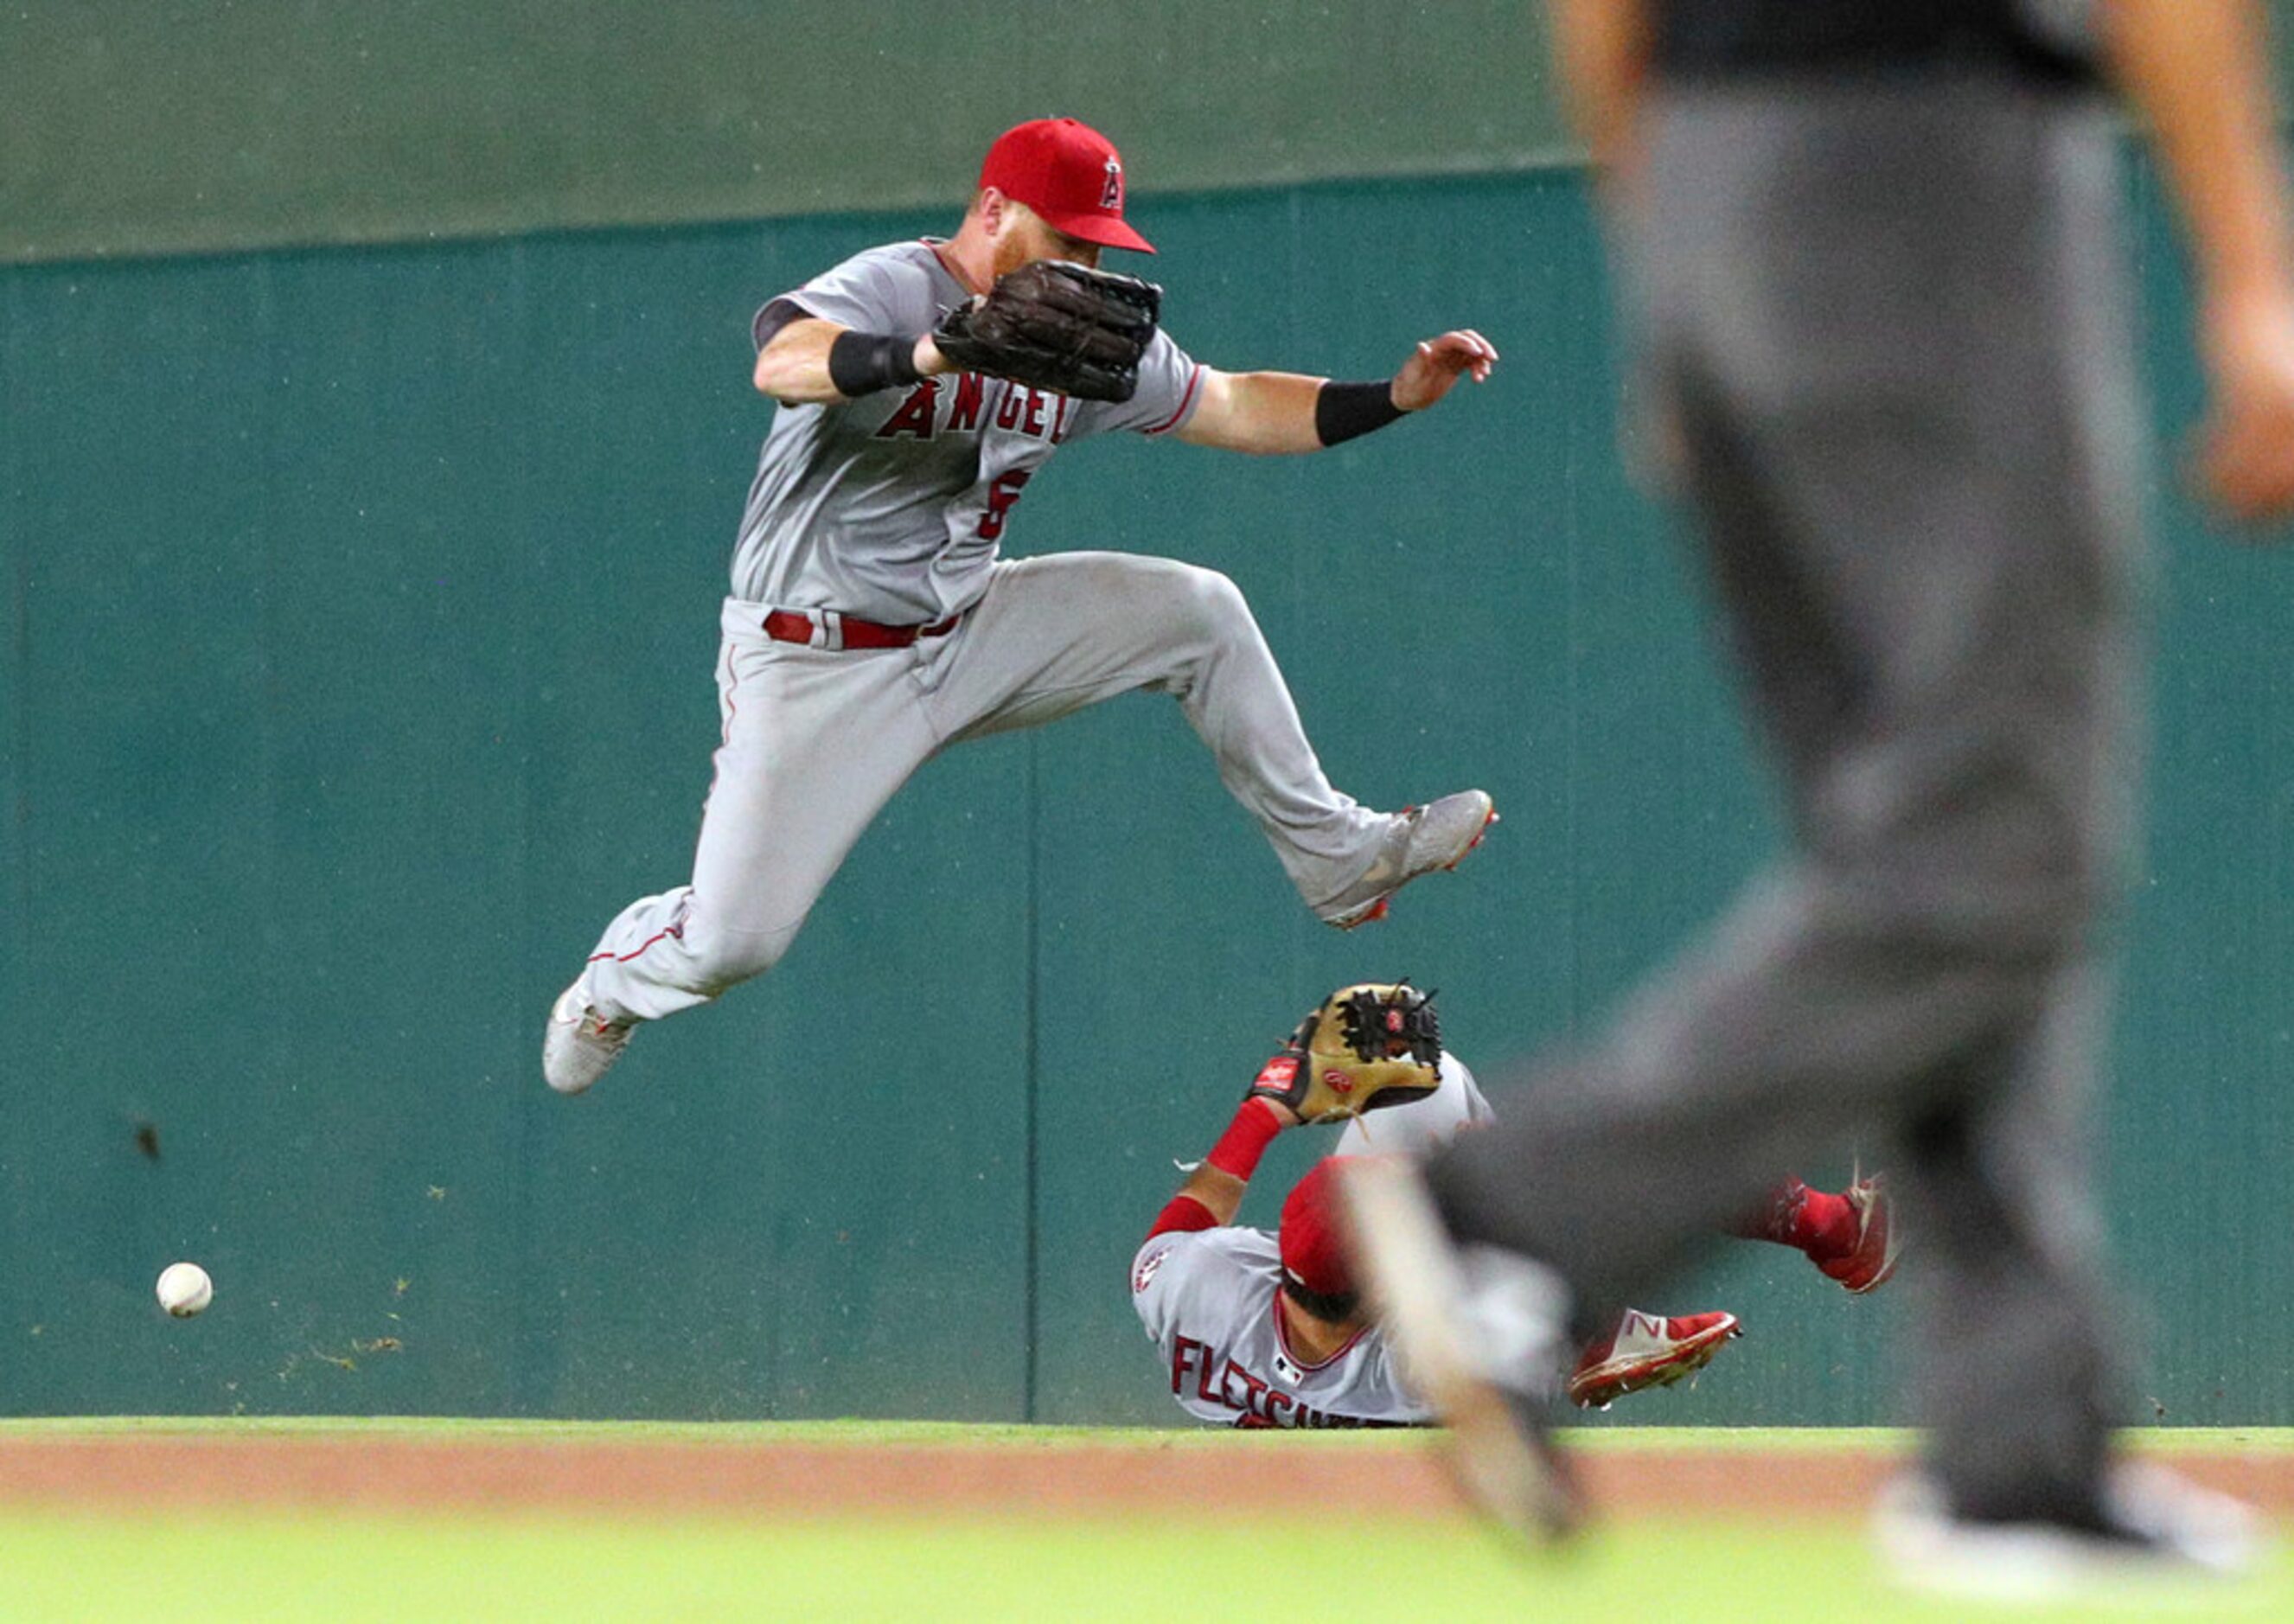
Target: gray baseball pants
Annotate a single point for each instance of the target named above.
(815, 741)
(1889, 323)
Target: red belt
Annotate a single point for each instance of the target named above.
(827, 629)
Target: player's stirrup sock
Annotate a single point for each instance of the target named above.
(1811, 1222)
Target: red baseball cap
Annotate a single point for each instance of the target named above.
(1068, 174)
(1313, 1253)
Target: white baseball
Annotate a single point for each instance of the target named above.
(184, 1289)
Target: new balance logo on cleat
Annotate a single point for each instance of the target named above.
(1647, 1350)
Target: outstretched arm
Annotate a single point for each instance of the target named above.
(801, 363)
(1213, 1192)
(1290, 412)
(2196, 70)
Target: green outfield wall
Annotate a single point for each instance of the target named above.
(140, 127)
(154, 127)
(357, 624)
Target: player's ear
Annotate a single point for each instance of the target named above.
(991, 206)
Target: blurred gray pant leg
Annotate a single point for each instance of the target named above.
(1889, 320)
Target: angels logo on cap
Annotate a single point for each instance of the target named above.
(1070, 174)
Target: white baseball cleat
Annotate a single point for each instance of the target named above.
(1422, 840)
(2158, 1538)
(579, 1045)
(1480, 1331)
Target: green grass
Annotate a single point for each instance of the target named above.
(869, 1433)
(1231, 1561)
(1244, 1564)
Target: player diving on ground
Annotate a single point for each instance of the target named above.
(1260, 1328)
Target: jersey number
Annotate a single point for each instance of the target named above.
(1002, 493)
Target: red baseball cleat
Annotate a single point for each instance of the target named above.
(1647, 1351)
(1877, 1240)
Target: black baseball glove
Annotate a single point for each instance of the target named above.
(1052, 324)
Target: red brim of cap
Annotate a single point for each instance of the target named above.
(1104, 230)
(1312, 1249)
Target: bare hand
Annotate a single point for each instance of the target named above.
(1437, 363)
(2247, 446)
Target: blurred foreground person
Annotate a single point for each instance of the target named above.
(1873, 256)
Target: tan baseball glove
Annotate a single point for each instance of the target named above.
(1362, 1048)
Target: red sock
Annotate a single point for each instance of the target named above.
(1811, 1222)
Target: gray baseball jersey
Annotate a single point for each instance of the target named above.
(891, 507)
(1422, 1125)
(1208, 1300)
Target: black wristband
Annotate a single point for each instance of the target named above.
(1343, 409)
(863, 362)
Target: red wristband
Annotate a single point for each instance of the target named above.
(1246, 1139)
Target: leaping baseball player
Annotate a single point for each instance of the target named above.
(1261, 1329)
(872, 622)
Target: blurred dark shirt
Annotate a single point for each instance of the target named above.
(2051, 41)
